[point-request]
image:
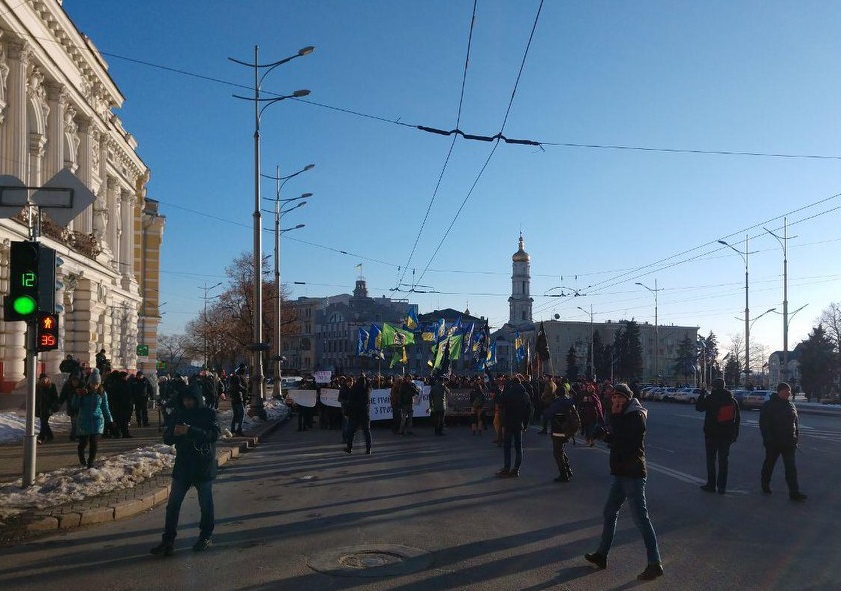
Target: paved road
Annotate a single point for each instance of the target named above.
(298, 497)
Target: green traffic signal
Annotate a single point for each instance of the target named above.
(24, 305)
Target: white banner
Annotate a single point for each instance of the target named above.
(323, 377)
(302, 397)
(330, 397)
(381, 403)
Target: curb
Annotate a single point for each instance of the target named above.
(70, 516)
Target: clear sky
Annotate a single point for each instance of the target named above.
(748, 76)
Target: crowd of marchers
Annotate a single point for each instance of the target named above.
(509, 404)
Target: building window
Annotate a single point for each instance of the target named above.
(523, 315)
(524, 287)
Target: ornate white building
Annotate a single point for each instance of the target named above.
(56, 111)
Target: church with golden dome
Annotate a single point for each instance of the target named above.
(520, 302)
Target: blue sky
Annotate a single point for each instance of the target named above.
(712, 76)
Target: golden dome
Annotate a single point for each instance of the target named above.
(521, 256)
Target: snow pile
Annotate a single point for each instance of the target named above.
(275, 410)
(74, 484)
(13, 425)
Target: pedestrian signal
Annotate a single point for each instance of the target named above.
(21, 303)
(47, 333)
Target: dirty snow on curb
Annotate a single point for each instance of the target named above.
(74, 484)
(13, 425)
(115, 472)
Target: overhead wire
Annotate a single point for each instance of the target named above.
(495, 146)
(452, 145)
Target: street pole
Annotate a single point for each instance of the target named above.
(744, 256)
(206, 289)
(257, 347)
(656, 330)
(277, 232)
(784, 244)
(592, 367)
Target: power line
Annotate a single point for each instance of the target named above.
(496, 142)
(452, 145)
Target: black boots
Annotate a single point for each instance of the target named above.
(600, 560)
(163, 549)
(651, 572)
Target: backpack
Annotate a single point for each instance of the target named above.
(568, 422)
(726, 415)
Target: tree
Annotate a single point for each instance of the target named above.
(736, 358)
(601, 356)
(831, 320)
(572, 364)
(732, 370)
(172, 351)
(816, 363)
(628, 351)
(685, 358)
(708, 357)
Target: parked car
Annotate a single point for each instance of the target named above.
(687, 395)
(756, 398)
(739, 395)
(669, 394)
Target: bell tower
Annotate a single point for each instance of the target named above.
(520, 302)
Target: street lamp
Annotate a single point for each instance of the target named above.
(592, 367)
(205, 298)
(656, 331)
(260, 105)
(747, 350)
(279, 182)
(744, 256)
(783, 240)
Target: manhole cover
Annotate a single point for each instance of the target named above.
(371, 560)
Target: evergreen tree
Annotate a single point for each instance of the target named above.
(816, 363)
(628, 350)
(601, 357)
(572, 364)
(732, 370)
(685, 358)
(711, 356)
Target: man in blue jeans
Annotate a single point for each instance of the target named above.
(626, 435)
(516, 409)
(193, 430)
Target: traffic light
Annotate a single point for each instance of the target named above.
(32, 283)
(47, 333)
(22, 301)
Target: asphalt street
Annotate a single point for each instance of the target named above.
(298, 502)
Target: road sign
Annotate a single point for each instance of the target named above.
(160, 365)
(142, 350)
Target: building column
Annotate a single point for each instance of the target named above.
(12, 334)
(57, 101)
(84, 221)
(127, 239)
(15, 145)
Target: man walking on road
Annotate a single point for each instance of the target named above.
(193, 430)
(721, 429)
(408, 392)
(626, 436)
(516, 409)
(779, 427)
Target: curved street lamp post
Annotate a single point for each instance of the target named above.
(260, 105)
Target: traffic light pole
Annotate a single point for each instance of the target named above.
(29, 442)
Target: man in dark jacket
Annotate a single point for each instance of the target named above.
(779, 427)
(408, 392)
(626, 436)
(563, 417)
(237, 390)
(358, 409)
(193, 430)
(516, 409)
(438, 394)
(141, 393)
(46, 403)
(721, 429)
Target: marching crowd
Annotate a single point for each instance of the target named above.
(101, 403)
(609, 412)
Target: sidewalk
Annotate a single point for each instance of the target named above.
(118, 504)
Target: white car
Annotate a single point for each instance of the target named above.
(686, 395)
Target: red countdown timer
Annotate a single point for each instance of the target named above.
(47, 334)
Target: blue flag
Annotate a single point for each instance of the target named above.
(361, 341)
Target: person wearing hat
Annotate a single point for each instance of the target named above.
(91, 403)
(626, 435)
(68, 391)
(193, 430)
